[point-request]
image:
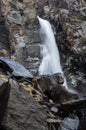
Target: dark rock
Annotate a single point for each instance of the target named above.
(59, 4)
(23, 113)
(4, 96)
(82, 125)
(60, 94)
(49, 81)
(75, 104)
(20, 1)
(69, 123)
(71, 37)
(4, 36)
(52, 86)
(15, 68)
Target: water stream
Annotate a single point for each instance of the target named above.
(51, 59)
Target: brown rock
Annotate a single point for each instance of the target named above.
(52, 86)
(49, 81)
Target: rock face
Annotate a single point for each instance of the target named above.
(23, 113)
(72, 31)
(23, 32)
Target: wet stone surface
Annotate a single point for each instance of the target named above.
(52, 86)
(15, 69)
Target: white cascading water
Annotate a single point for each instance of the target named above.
(51, 59)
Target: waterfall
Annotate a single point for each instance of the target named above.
(51, 59)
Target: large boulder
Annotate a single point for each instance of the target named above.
(52, 86)
(23, 113)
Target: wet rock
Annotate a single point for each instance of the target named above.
(52, 86)
(69, 123)
(71, 36)
(46, 81)
(14, 68)
(60, 94)
(75, 104)
(23, 113)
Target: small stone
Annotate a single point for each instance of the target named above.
(70, 123)
(54, 109)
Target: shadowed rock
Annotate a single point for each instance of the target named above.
(49, 81)
(4, 37)
(52, 85)
(4, 95)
